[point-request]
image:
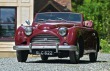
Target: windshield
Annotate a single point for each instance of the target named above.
(71, 17)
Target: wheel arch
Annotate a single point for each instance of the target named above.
(98, 41)
(80, 40)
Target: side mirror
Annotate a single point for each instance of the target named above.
(88, 24)
(28, 22)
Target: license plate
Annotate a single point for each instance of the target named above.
(44, 52)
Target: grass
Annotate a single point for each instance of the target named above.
(105, 46)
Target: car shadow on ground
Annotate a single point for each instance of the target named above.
(64, 61)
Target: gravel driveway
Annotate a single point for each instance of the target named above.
(55, 64)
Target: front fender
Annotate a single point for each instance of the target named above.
(20, 36)
(73, 34)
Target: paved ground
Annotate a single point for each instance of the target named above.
(55, 64)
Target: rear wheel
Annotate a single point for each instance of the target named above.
(22, 55)
(44, 57)
(93, 56)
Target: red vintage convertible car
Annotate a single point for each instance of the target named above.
(62, 34)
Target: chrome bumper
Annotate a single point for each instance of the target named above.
(57, 47)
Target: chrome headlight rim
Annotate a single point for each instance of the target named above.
(63, 31)
(28, 31)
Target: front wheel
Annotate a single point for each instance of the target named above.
(22, 56)
(73, 57)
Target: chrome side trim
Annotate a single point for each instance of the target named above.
(89, 51)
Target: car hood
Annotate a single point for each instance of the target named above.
(48, 26)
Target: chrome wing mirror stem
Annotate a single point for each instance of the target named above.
(28, 22)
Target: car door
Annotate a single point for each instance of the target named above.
(89, 36)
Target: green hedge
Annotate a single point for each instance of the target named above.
(105, 46)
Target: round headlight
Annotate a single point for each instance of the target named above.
(63, 31)
(28, 31)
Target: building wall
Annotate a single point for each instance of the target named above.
(65, 3)
(24, 9)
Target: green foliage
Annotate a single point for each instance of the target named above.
(105, 46)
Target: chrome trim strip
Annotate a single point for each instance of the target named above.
(89, 51)
(71, 47)
(30, 48)
(57, 47)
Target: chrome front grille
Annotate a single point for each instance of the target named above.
(45, 39)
